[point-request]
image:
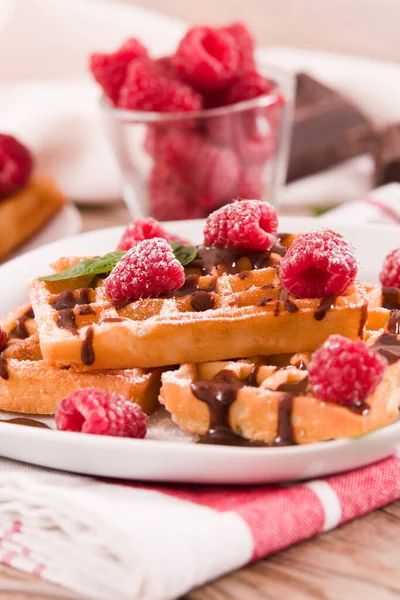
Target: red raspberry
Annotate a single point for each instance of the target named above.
(345, 371)
(90, 410)
(246, 87)
(254, 140)
(144, 229)
(15, 165)
(168, 197)
(248, 224)
(250, 183)
(109, 70)
(318, 264)
(149, 87)
(3, 338)
(147, 270)
(207, 58)
(244, 45)
(390, 274)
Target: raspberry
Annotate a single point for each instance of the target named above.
(144, 229)
(147, 270)
(246, 87)
(318, 264)
(3, 338)
(109, 70)
(207, 58)
(250, 183)
(149, 87)
(345, 371)
(15, 165)
(248, 224)
(390, 274)
(213, 171)
(253, 139)
(244, 45)
(168, 197)
(90, 410)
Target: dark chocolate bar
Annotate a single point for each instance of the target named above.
(388, 160)
(327, 129)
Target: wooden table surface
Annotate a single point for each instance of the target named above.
(362, 558)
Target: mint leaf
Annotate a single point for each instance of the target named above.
(185, 254)
(102, 265)
(90, 266)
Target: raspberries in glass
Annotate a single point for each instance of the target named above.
(90, 410)
(390, 274)
(147, 270)
(144, 229)
(16, 165)
(318, 264)
(345, 371)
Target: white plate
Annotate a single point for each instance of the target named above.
(179, 460)
(66, 223)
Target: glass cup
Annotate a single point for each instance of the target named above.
(185, 165)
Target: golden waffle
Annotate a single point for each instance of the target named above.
(22, 214)
(270, 405)
(29, 385)
(381, 302)
(234, 309)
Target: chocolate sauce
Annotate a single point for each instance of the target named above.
(393, 325)
(324, 305)
(27, 422)
(264, 301)
(69, 299)
(360, 408)
(363, 319)
(389, 346)
(279, 249)
(112, 320)
(289, 306)
(390, 297)
(190, 286)
(251, 380)
(85, 309)
(87, 352)
(209, 257)
(3, 367)
(301, 365)
(20, 331)
(29, 313)
(268, 286)
(201, 301)
(284, 435)
(244, 274)
(66, 320)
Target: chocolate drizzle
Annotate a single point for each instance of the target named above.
(190, 286)
(324, 305)
(201, 301)
(27, 422)
(389, 346)
(390, 297)
(284, 436)
(20, 331)
(85, 309)
(3, 367)
(69, 299)
(363, 319)
(289, 306)
(66, 320)
(360, 408)
(87, 352)
(393, 325)
(112, 320)
(210, 257)
(264, 301)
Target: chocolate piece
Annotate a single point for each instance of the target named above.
(390, 297)
(327, 129)
(201, 301)
(389, 346)
(388, 159)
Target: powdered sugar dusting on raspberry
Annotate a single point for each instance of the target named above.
(318, 264)
(147, 270)
(248, 224)
(345, 371)
(390, 274)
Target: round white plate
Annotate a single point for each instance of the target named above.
(175, 458)
(66, 223)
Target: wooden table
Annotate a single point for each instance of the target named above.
(362, 558)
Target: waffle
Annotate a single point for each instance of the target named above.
(381, 302)
(22, 214)
(270, 405)
(231, 305)
(29, 385)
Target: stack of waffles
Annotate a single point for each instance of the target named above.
(227, 351)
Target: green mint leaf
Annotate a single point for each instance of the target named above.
(185, 254)
(90, 266)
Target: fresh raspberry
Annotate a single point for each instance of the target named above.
(390, 274)
(213, 172)
(207, 58)
(250, 183)
(345, 371)
(318, 264)
(3, 338)
(15, 165)
(254, 139)
(144, 229)
(149, 87)
(147, 270)
(109, 70)
(168, 197)
(248, 224)
(244, 45)
(246, 87)
(90, 410)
